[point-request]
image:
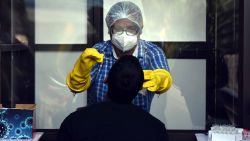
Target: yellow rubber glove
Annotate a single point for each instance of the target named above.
(79, 78)
(158, 80)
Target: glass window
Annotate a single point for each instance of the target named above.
(183, 107)
(61, 22)
(41, 40)
(54, 101)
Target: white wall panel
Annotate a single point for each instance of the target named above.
(61, 21)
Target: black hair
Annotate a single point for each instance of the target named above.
(125, 79)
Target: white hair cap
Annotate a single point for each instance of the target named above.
(124, 10)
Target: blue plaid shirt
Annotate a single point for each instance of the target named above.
(150, 57)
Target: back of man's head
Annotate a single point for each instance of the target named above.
(125, 79)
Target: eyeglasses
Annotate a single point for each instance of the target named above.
(131, 31)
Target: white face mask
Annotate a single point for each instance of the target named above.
(124, 42)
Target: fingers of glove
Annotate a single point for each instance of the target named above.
(150, 85)
(81, 69)
(147, 74)
(92, 55)
(147, 84)
(98, 57)
(167, 79)
(153, 89)
(77, 84)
